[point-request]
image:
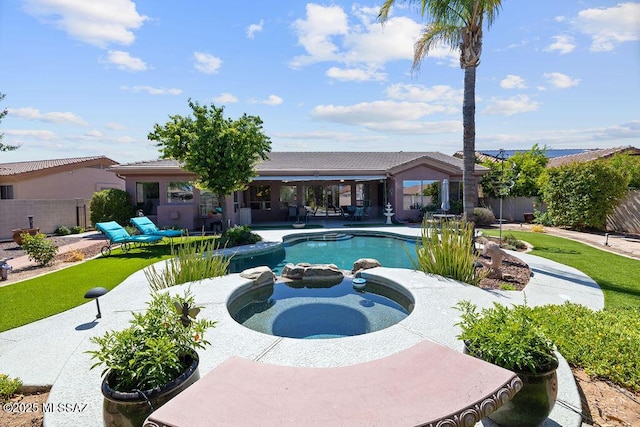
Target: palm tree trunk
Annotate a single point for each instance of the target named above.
(470, 189)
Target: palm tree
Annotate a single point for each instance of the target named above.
(458, 24)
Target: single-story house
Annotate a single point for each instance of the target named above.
(326, 184)
(51, 193)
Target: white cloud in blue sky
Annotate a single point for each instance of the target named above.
(92, 77)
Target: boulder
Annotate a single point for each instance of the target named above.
(320, 272)
(260, 275)
(293, 272)
(364, 264)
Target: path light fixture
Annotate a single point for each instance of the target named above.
(96, 293)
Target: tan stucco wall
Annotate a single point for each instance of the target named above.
(76, 184)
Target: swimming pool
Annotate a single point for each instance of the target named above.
(341, 249)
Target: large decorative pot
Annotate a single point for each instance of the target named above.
(130, 409)
(17, 234)
(533, 403)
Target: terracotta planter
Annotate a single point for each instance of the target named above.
(130, 409)
(17, 234)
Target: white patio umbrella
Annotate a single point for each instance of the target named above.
(444, 195)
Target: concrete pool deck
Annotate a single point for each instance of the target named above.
(52, 350)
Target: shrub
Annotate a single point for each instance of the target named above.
(76, 229)
(111, 205)
(62, 231)
(74, 256)
(542, 218)
(8, 386)
(506, 336)
(239, 235)
(537, 228)
(151, 352)
(606, 343)
(512, 241)
(190, 262)
(483, 217)
(582, 195)
(448, 251)
(39, 249)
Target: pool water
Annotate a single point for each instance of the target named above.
(313, 310)
(334, 248)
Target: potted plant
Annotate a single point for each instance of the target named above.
(151, 361)
(508, 337)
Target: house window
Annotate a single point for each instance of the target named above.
(209, 203)
(288, 196)
(260, 197)
(179, 192)
(148, 197)
(6, 191)
(418, 194)
(363, 194)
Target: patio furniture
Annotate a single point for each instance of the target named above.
(427, 384)
(147, 227)
(359, 212)
(116, 234)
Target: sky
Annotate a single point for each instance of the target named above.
(90, 78)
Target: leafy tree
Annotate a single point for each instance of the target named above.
(111, 205)
(222, 152)
(519, 172)
(458, 24)
(630, 166)
(582, 195)
(3, 113)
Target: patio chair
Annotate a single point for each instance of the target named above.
(116, 234)
(358, 213)
(148, 228)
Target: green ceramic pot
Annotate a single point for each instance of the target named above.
(533, 403)
(130, 409)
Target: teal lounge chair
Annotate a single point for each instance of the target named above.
(116, 234)
(148, 228)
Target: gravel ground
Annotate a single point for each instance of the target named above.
(11, 250)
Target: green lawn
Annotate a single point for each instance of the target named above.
(618, 276)
(40, 297)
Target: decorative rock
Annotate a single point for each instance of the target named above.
(293, 272)
(322, 272)
(260, 275)
(364, 264)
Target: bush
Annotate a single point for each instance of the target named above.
(483, 217)
(582, 195)
(239, 235)
(606, 343)
(111, 205)
(62, 231)
(512, 241)
(8, 387)
(38, 248)
(76, 229)
(190, 262)
(448, 251)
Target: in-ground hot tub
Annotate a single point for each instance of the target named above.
(313, 310)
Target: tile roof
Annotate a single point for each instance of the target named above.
(300, 162)
(591, 155)
(480, 157)
(17, 168)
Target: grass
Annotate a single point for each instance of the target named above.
(53, 293)
(618, 276)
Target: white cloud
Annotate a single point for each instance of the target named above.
(124, 61)
(225, 98)
(355, 74)
(611, 26)
(438, 94)
(152, 90)
(207, 63)
(29, 113)
(25, 134)
(560, 80)
(510, 106)
(93, 134)
(254, 28)
(96, 22)
(316, 31)
(563, 44)
(115, 126)
(271, 100)
(513, 82)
